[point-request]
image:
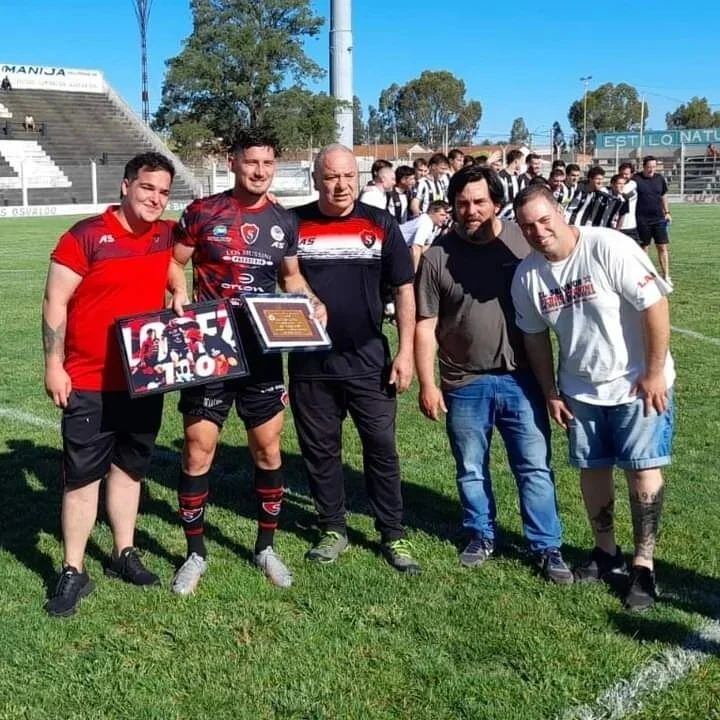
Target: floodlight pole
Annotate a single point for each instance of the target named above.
(142, 13)
(586, 81)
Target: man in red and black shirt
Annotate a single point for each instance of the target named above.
(240, 243)
(104, 267)
(348, 251)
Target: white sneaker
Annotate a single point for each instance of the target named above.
(188, 576)
(274, 568)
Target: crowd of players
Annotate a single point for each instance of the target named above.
(633, 203)
(479, 295)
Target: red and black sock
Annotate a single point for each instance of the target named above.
(192, 497)
(269, 495)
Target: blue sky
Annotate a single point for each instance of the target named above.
(519, 59)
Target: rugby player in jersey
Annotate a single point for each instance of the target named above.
(104, 267)
(348, 251)
(240, 243)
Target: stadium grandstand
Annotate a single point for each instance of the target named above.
(65, 136)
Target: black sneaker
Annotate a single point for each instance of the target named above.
(72, 586)
(128, 567)
(553, 567)
(642, 591)
(601, 566)
(476, 552)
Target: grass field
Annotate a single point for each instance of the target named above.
(354, 640)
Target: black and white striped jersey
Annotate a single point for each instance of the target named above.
(430, 189)
(512, 185)
(597, 208)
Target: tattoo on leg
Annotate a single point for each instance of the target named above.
(645, 509)
(604, 520)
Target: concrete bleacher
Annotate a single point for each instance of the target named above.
(72, 129)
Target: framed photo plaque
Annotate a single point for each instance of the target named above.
(285, 323)
(162, 352)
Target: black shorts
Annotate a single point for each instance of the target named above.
(632, 233)
(100, 429)
(259, 397)
(656, 231)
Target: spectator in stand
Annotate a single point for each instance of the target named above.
(421, 231)
(6, 86)
(29, 123)
(376, 193)
(712, 152)
(402, 193)
(456, 160)
(434, 186)
(653, 213)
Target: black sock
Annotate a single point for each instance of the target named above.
(192, 497)
(269, 494)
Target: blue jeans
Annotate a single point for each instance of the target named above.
(514, 404)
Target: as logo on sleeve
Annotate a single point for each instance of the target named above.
(249, 232)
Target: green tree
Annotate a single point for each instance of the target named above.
(423, 108)
(519, 133)
(610, 108)
(695, 114)
(239, 54)
(358, 123)
(301, 118)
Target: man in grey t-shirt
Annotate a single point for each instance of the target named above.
(465, 313)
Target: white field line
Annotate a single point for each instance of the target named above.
(695, 335)
(158, 453)
(621, 699)
(28, 418)
(627, 696)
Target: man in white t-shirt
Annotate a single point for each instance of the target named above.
(420, 232)
(376, 193)
(602, 298)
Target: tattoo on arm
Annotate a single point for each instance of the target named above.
(645, 509)
(54, 339)
(604, 520)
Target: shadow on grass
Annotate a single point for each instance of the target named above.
(32, 488)
(427, 510)
(684, 590)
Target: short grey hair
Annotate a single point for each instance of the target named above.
(324, 152)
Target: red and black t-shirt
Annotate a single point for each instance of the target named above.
(122, 274)
(347, 261)
(236, 250)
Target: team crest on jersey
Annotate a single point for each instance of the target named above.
(368, 238)
(188, 515)
(272, 507)
(249, 232)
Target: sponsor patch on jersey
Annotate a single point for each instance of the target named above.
(249, 232)
(106, 239)
(368, 238)
(220, 231)
(277, 233)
